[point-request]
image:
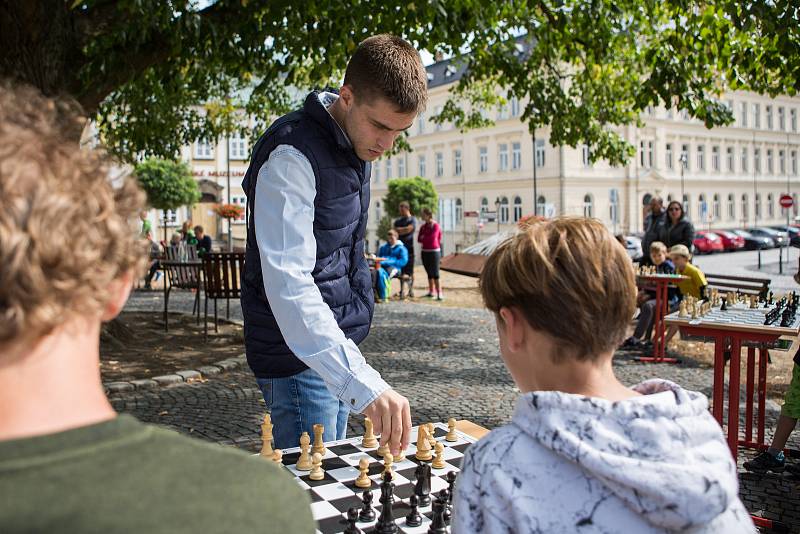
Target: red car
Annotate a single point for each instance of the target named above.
(730, 241)
(707, 242)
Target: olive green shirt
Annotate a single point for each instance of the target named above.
(125, 476)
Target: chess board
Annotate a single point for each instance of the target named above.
(337, 492)
(739, 317)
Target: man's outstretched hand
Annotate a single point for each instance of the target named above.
(391, 418)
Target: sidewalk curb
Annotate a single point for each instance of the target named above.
(178, 377)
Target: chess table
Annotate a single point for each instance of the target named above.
(738, 326)
(336, 493)
(659, 282)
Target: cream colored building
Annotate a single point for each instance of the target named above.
(733, 175)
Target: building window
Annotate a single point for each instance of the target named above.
(794, 162)
(388, 168)
(701, 158)
(757, 206)
(793, 119)
(768, 113)
(457, 163)
(439, 164)
(484, 206)
(685, 157)
(502, 112)
(541, 202)
(376, 172)
(503, 210)
(483, 159)
(756, 116)
(782, 161)
(757, 160)
(744, 207)
(401, 167)
(743, 114)
(514, 106)
(422, 166)
(702, 208)
(516, 156)
(686, 204)
(588, 206)
(715, 158)
(646, 154)
(517, 209)
(613, 206)
(586, 156)
(781, 119)
(438, 125)
(668, 156)
(502, 159)
(770, 168)
(716, 207)
(540, 153)
(203, 149)
(237, 145)
(744, 159)
(459, 211)
(242, 201)
(421, 124)
(378, 211)
(729, 152)
(770, 206)
(731, 207)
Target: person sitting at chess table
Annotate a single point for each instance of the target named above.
(583, 451)
(395, 256)
(68, 462)
(695, 286)
(646, 299)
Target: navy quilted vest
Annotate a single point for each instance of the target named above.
(340, 219)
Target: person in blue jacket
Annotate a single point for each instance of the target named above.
(395, 252)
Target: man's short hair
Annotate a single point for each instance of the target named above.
(47, 182)
(570, 279)
(198, 228)
(658, 246)
(389, 67)
(404, 204)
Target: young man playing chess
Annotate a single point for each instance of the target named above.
(583, 452)
(68, 462)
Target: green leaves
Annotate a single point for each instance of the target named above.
(417, 191)
(168, 184)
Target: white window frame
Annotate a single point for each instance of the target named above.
(516, 156)
(439, 164)
(203, 149)
(503, 215)
(731, 159)
(701, 157)
(668, 156)
(540, 153)
(422, 165)
(483, 159)
(401, 167)
(517, 208)
(457, 162)
(502, 157)
(588, 205)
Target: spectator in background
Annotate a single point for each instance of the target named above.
(430, 236)
(203, 241)
(176, 239)
(405, 225)
(395, 253)
(678, 230)
(155, 253)
(147, 226)
(654, 228)
(187, 233)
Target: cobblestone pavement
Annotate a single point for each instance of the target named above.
(445, 360)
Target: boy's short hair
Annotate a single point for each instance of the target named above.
(680, 250)
(387, 66)
(570, 279)
(658, 246)
(47, 182)
(394, 232)
(198, 228)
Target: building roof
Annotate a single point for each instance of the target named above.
(452, 69)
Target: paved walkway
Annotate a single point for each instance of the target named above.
(445, 360)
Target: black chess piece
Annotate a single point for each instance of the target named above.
(451, 486)
(386, 523)
(724, 306)
(439, 525)
(422, 488)
(352, 517)
(444, 496)
(413, 519)
(367, 513)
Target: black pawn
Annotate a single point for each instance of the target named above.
(724, 306)
(444, 496)
(413, 519)
(450, 477)
(439, 525)
(422, 488)
(352, 517)
(367, 513)
(386, 523)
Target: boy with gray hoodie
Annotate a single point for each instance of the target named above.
(583, 452)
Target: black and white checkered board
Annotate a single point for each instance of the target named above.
(737, 314)
(337, 492)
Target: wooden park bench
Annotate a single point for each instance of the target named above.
(182, 269)
(749, 286)
(221, 277)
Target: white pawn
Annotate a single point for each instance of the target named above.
(304, 462)
(438, 462)
(277, 456)
(451, 430)
(388, 460)
(363, 480)
(383, 450)
(316, 470)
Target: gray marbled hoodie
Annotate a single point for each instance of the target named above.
(569, 463)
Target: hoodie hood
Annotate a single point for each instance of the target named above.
(662, 454)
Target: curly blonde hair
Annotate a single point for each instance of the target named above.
(66, 232)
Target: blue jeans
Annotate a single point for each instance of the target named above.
(297, 403)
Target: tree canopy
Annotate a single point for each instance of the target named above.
(417, 191)
(168, 184)
(158, 74)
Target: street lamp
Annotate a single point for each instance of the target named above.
(497, 212)
(683, 159)
(535, 193)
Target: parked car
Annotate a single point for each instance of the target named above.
(706, 242)
(793, 231)
(779, 238)
(754, 242)
(730, 241)
(633, 245)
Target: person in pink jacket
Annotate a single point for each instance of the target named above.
(430, 235)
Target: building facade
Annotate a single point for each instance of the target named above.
(727, 177)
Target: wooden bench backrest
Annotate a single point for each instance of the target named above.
(744, 284)
(221, 274)
(182, 276)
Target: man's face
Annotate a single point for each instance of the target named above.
(658, 257)
(655, 207)
(372, 126)
(404, 210)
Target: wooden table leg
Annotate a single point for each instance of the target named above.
(733, 395)
(719, 378)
